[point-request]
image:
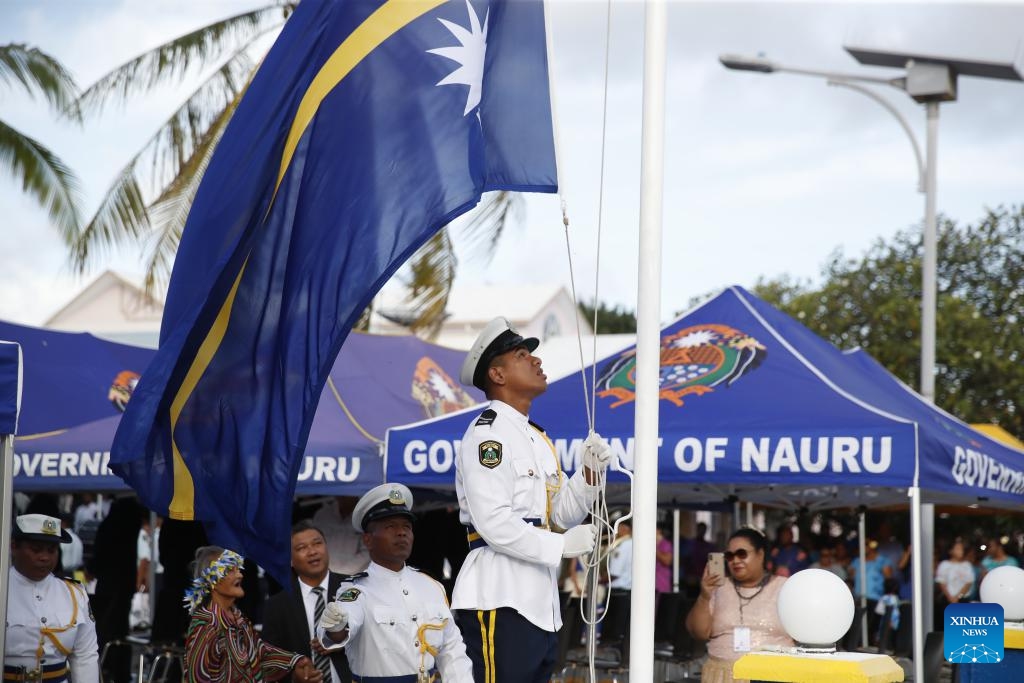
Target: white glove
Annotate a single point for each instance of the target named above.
(578, 540)
(334, 618)
(596, 453)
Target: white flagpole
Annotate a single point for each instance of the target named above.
(645, 494)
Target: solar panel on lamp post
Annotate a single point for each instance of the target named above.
(929, 79)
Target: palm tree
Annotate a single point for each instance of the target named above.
(41, 173)
(150, 199)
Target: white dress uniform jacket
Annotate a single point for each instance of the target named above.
(507, 472)
(55, 607)
(399, 624)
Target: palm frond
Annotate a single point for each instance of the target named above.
(432, 272)
(175, 58)
(44, 177)
(124, 213)
(122, 216)
(167, 152)
(171, 209)
(38, 73)
(488, 222)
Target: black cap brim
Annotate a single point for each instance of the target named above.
(383, 513)
(64, 537)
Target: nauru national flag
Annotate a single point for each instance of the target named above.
(368, 127)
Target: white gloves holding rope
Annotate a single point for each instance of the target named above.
(578, 540)
(596, 453)
(334, 618)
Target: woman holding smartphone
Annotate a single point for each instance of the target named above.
(739, 612)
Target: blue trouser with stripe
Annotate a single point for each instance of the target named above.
(505, 647)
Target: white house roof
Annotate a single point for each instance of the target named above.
(470, 304)
(112, 305)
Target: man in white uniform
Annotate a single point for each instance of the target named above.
(49, 626)
(521, 513)
(393, 621)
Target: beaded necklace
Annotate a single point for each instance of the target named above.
(746, 600)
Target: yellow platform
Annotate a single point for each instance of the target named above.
(1013, 639)
(841, 667)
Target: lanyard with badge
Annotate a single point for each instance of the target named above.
(741, 634)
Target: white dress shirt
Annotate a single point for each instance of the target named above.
(390, 615)
(56, 604)
(518, 567)
(620, 563)
(309, 602)
(344, 544)
(71, 553)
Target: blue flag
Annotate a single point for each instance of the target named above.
(368, 127)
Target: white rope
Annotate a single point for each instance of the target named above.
(599, 509)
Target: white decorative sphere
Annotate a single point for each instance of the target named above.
(815, 607)
(1005, 585)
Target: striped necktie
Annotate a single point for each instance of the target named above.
(322, 662)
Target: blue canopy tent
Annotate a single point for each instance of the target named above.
(72, 378)
(745, 412)
(10, 386)
(375, 381)
(960, 464)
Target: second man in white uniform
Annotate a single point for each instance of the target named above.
(393, 620)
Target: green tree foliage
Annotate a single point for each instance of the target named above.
(42, 175)
(610, 319)
(874, 302)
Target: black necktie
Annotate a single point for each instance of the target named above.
(322, 662)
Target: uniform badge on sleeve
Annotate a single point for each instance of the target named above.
(490, 454)
(349, 595)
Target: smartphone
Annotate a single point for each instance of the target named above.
(716, 564)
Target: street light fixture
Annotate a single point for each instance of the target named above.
(930, 80)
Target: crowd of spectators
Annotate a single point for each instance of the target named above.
(111, 554)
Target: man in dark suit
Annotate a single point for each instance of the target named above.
(289, 618)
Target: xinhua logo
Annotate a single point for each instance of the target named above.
(973, 633)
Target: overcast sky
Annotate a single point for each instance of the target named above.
(765, 175)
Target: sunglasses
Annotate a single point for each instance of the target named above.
(740, 554)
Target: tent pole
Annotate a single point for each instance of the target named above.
(648, 342)
(918, 560)
(863, 569)
(750, 514)
(927, 566)
(151, 574)
(6, 515)
(675, 550)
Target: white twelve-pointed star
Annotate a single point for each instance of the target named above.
(469, 54)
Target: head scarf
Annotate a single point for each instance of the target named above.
(203, 584)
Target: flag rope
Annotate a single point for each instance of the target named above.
(606, 530)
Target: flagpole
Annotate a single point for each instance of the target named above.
(6, 508)
(645, 494)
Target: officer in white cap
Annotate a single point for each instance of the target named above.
(522, 514)
(392, 620)
(50, 628)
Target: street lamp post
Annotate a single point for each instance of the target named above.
(929, 80)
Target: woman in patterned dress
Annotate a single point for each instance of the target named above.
(221, 646)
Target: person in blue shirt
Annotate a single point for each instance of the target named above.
(877, 568)
(787, 557)
(996, 556)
